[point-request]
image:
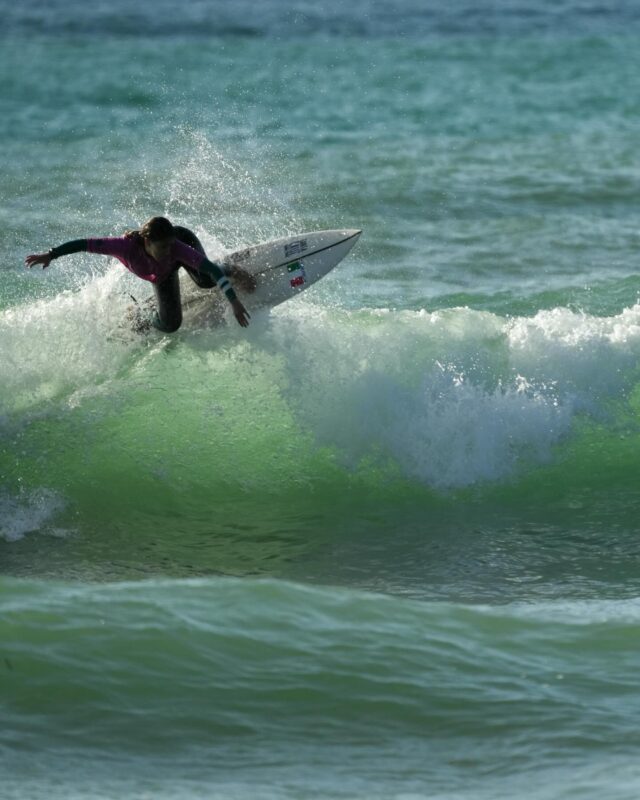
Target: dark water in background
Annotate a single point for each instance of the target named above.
(383, 543)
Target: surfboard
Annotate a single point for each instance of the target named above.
(283, 268)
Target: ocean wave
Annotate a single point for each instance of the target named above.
(177, 665)
(447, 399)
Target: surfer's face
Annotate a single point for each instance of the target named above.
(159, 249)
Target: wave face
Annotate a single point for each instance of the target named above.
(444, 400)
(374, 434)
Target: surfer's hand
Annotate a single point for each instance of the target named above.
(39, 258)
(240, 313)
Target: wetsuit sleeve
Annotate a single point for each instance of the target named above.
(117, 246)
(182, 252)
(66, 249)
(219, 277)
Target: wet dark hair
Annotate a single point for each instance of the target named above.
(157, 229)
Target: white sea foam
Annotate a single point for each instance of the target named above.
(453, 397)
(65, 342)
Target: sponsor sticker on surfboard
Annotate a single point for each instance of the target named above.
(295, 248)
(297, 275)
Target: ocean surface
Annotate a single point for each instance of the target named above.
(384, 543)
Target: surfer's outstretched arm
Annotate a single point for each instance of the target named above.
(115, 247)
(66, 249)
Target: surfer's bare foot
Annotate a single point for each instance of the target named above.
(244, 280)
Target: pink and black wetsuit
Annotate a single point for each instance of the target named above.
(186, 251)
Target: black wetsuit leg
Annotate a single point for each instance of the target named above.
(169, 316)
(201, 279)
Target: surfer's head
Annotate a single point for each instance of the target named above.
(158, 235)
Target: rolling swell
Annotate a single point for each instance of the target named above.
(237, 671)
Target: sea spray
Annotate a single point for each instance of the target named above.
(29, 511)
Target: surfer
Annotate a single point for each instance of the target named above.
(155, 253)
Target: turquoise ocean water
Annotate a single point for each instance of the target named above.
(383, 543)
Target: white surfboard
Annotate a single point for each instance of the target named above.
(283, 268)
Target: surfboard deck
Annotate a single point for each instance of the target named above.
(283, 268)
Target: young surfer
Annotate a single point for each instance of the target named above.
(155, 253)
